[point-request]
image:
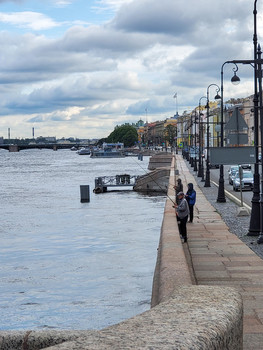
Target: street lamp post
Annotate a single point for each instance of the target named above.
(235, 80)
(255, 216)
(259, 71)
(191, 160)
(182, 133)
(256, 212)
(254, 225)
(188, 142)
(192, 138)
(186, 130)
(207, 175)
(195, 162)
(200, 160)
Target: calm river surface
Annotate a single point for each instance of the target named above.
(66, 264)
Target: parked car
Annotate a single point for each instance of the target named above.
(231, 173)
(247, 181)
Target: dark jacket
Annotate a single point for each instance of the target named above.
(179, 187)
(191, 194)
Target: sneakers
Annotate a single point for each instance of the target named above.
(184, 238)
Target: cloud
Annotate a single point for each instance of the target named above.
(71, 122)
(27, 19)
(113, 4)
(95, 76)
(174, 18)
(67, 114)
(79, 91)
(156, 105)
(104, 40)
(30, 58)
(37, 119)
(62, 3)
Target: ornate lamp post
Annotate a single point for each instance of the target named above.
(191, 159)
(186, 133)
(235, 80)
(255, 216)
(259, 71)
(254, 226)
(207, 175)
(193, 139)
(195, 161)
(200, 160)
(188, 141)
(256, 212)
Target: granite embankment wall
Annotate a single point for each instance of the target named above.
(158, 179)
(183, 315)
(172, 268)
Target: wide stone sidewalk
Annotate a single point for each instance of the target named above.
(220, 258)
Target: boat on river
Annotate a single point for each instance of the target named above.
(109, 150)
(84, 151)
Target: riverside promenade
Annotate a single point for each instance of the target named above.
(220, 258)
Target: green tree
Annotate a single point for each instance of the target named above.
(170, 132)
(100, 141)
(125, 133)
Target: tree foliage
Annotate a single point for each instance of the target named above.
(170, 133)
(124, 133)
(101, 141)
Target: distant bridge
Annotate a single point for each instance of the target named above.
(54, 146)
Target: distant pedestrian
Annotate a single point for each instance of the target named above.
(182, 212)
(191, 198)
(178, 188)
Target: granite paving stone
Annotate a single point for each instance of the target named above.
(222, 253)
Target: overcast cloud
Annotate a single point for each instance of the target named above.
(69, 68)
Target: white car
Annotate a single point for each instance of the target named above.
(231, 173)
(247, 181)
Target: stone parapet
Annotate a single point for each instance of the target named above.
(172, 268)
(155, 181)
(193, 317)
(36, 340)
(160, 160)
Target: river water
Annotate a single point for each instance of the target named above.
(67, 264)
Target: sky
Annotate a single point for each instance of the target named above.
(78, 68)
